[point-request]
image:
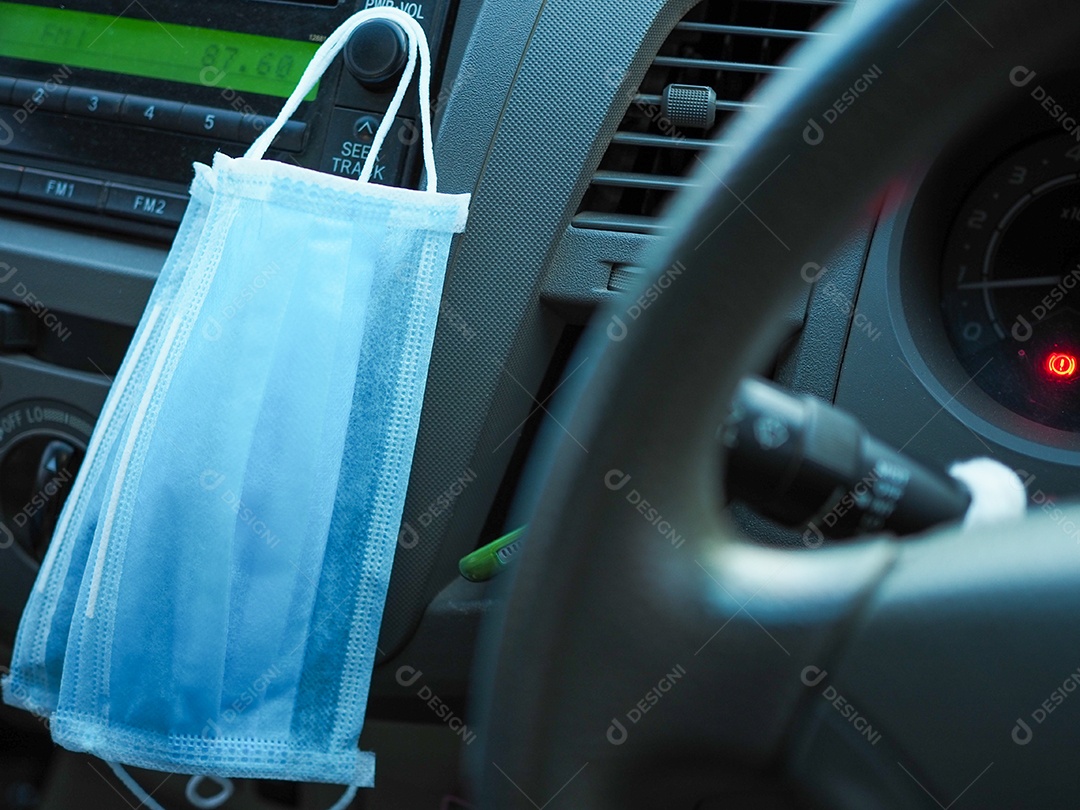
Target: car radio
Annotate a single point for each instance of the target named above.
(104, 109)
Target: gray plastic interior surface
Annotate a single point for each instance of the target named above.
(530, 77)
(100, 277)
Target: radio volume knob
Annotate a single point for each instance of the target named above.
(376, 53)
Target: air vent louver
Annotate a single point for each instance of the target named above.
(728, 45)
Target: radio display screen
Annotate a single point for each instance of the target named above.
(246, 63)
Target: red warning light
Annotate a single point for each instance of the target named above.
(1061, 365)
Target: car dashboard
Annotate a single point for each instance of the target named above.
(946, 322)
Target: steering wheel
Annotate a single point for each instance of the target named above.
(630, 669)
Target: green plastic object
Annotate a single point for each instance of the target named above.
(492, 559)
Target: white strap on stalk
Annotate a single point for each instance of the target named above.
(418, 44)
(997, 493)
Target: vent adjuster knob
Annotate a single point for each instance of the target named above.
(689, 106)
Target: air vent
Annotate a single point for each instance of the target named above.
(728, 46)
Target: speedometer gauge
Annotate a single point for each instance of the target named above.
(1011, 283)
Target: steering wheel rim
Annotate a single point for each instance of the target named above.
(603, 605)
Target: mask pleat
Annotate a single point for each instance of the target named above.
(297, 453)
(187, 491)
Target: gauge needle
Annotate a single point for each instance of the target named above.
(1026, 281)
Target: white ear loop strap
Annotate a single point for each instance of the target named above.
(417, 41)
(146, 799)
(418, 45)
(399, 95)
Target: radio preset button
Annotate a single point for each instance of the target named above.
(39, 95)
(210, 122)
(7, 84)
(291, 137)
(78, 192)
(146, 204)
(9, 178)
(151, 112)
(93, 103)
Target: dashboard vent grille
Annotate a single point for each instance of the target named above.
(728, 45)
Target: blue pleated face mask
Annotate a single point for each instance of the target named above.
(212, 596)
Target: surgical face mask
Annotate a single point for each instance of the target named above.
(212, 597)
